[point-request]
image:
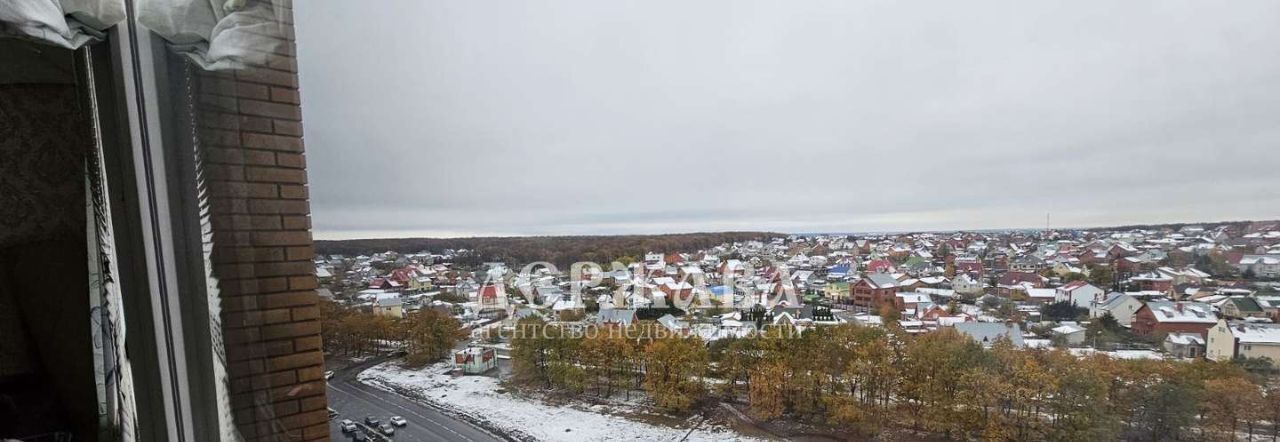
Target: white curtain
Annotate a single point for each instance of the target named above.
(220, 34)
(66, 23)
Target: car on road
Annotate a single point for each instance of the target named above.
(398, 421)
(372, 421)
(348, 426)
(387, 429)
(328, 375)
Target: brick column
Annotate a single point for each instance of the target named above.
(250, 125)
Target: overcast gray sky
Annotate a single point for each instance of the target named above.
(459, 118)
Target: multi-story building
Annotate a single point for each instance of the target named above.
(875, 290)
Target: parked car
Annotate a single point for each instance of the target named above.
(347, 426)
(328, 375)
(372, 421)
(398, 421)
(387, 429)
(359, 436)
(332, 413)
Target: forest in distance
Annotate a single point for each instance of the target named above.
(565, 250)
(559, 250)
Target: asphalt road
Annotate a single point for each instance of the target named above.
(354, 400)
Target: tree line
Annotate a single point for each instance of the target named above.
(560, 250)
(865, 380)
(425, 335)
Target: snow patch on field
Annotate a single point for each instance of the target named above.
(482, 398)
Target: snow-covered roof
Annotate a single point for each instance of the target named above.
(1036, 293)
(1260, 259)
(1113, 300)
(988, 332)
(881, 280)
(1067, 329)
(389, 299)
(1252, 333)
(1185, 338)
(1183, 312)
(932, 280)
(914, 297)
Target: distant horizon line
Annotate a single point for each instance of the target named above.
(815, 233)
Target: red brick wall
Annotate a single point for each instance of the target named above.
(250, 124)
(866, 296)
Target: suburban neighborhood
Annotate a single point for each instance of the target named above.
(1197, 305)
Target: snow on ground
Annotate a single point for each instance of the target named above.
(479, 398)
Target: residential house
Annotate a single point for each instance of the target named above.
(1185, 275)
(491, 296)
(987, 333)
(616, 316)
(691, 273)
(385, 284)
(1240, 307)
(942, 318)
(965, 284)
(545, 293)
(655, 258)
(881, 266)
(1158, 317)
(1042, 296)
(971, 267)
(1070, 334)
(475, 360)
(1017, 281)
(568, 307)
(1229, 340)
(324, 274)
(838, 272)
(875, 290)
(1263, 266)
(1120, 306)
(733, 267)
(1271, 305)
(679, 292)
(935, 281)
(1185, 345)
(837, 292)
(1079, 293)
(1026, 264)
(914, 303)
(407, 277)
(389, 304)
(1064, 268)
(918, 266)
(679, 326)
(1154, 282)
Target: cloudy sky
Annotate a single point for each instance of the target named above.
(460, 118)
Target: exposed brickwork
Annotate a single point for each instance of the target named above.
(255, 166)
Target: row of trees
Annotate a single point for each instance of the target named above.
(426, 335)
(606, 362)
(865, 380)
